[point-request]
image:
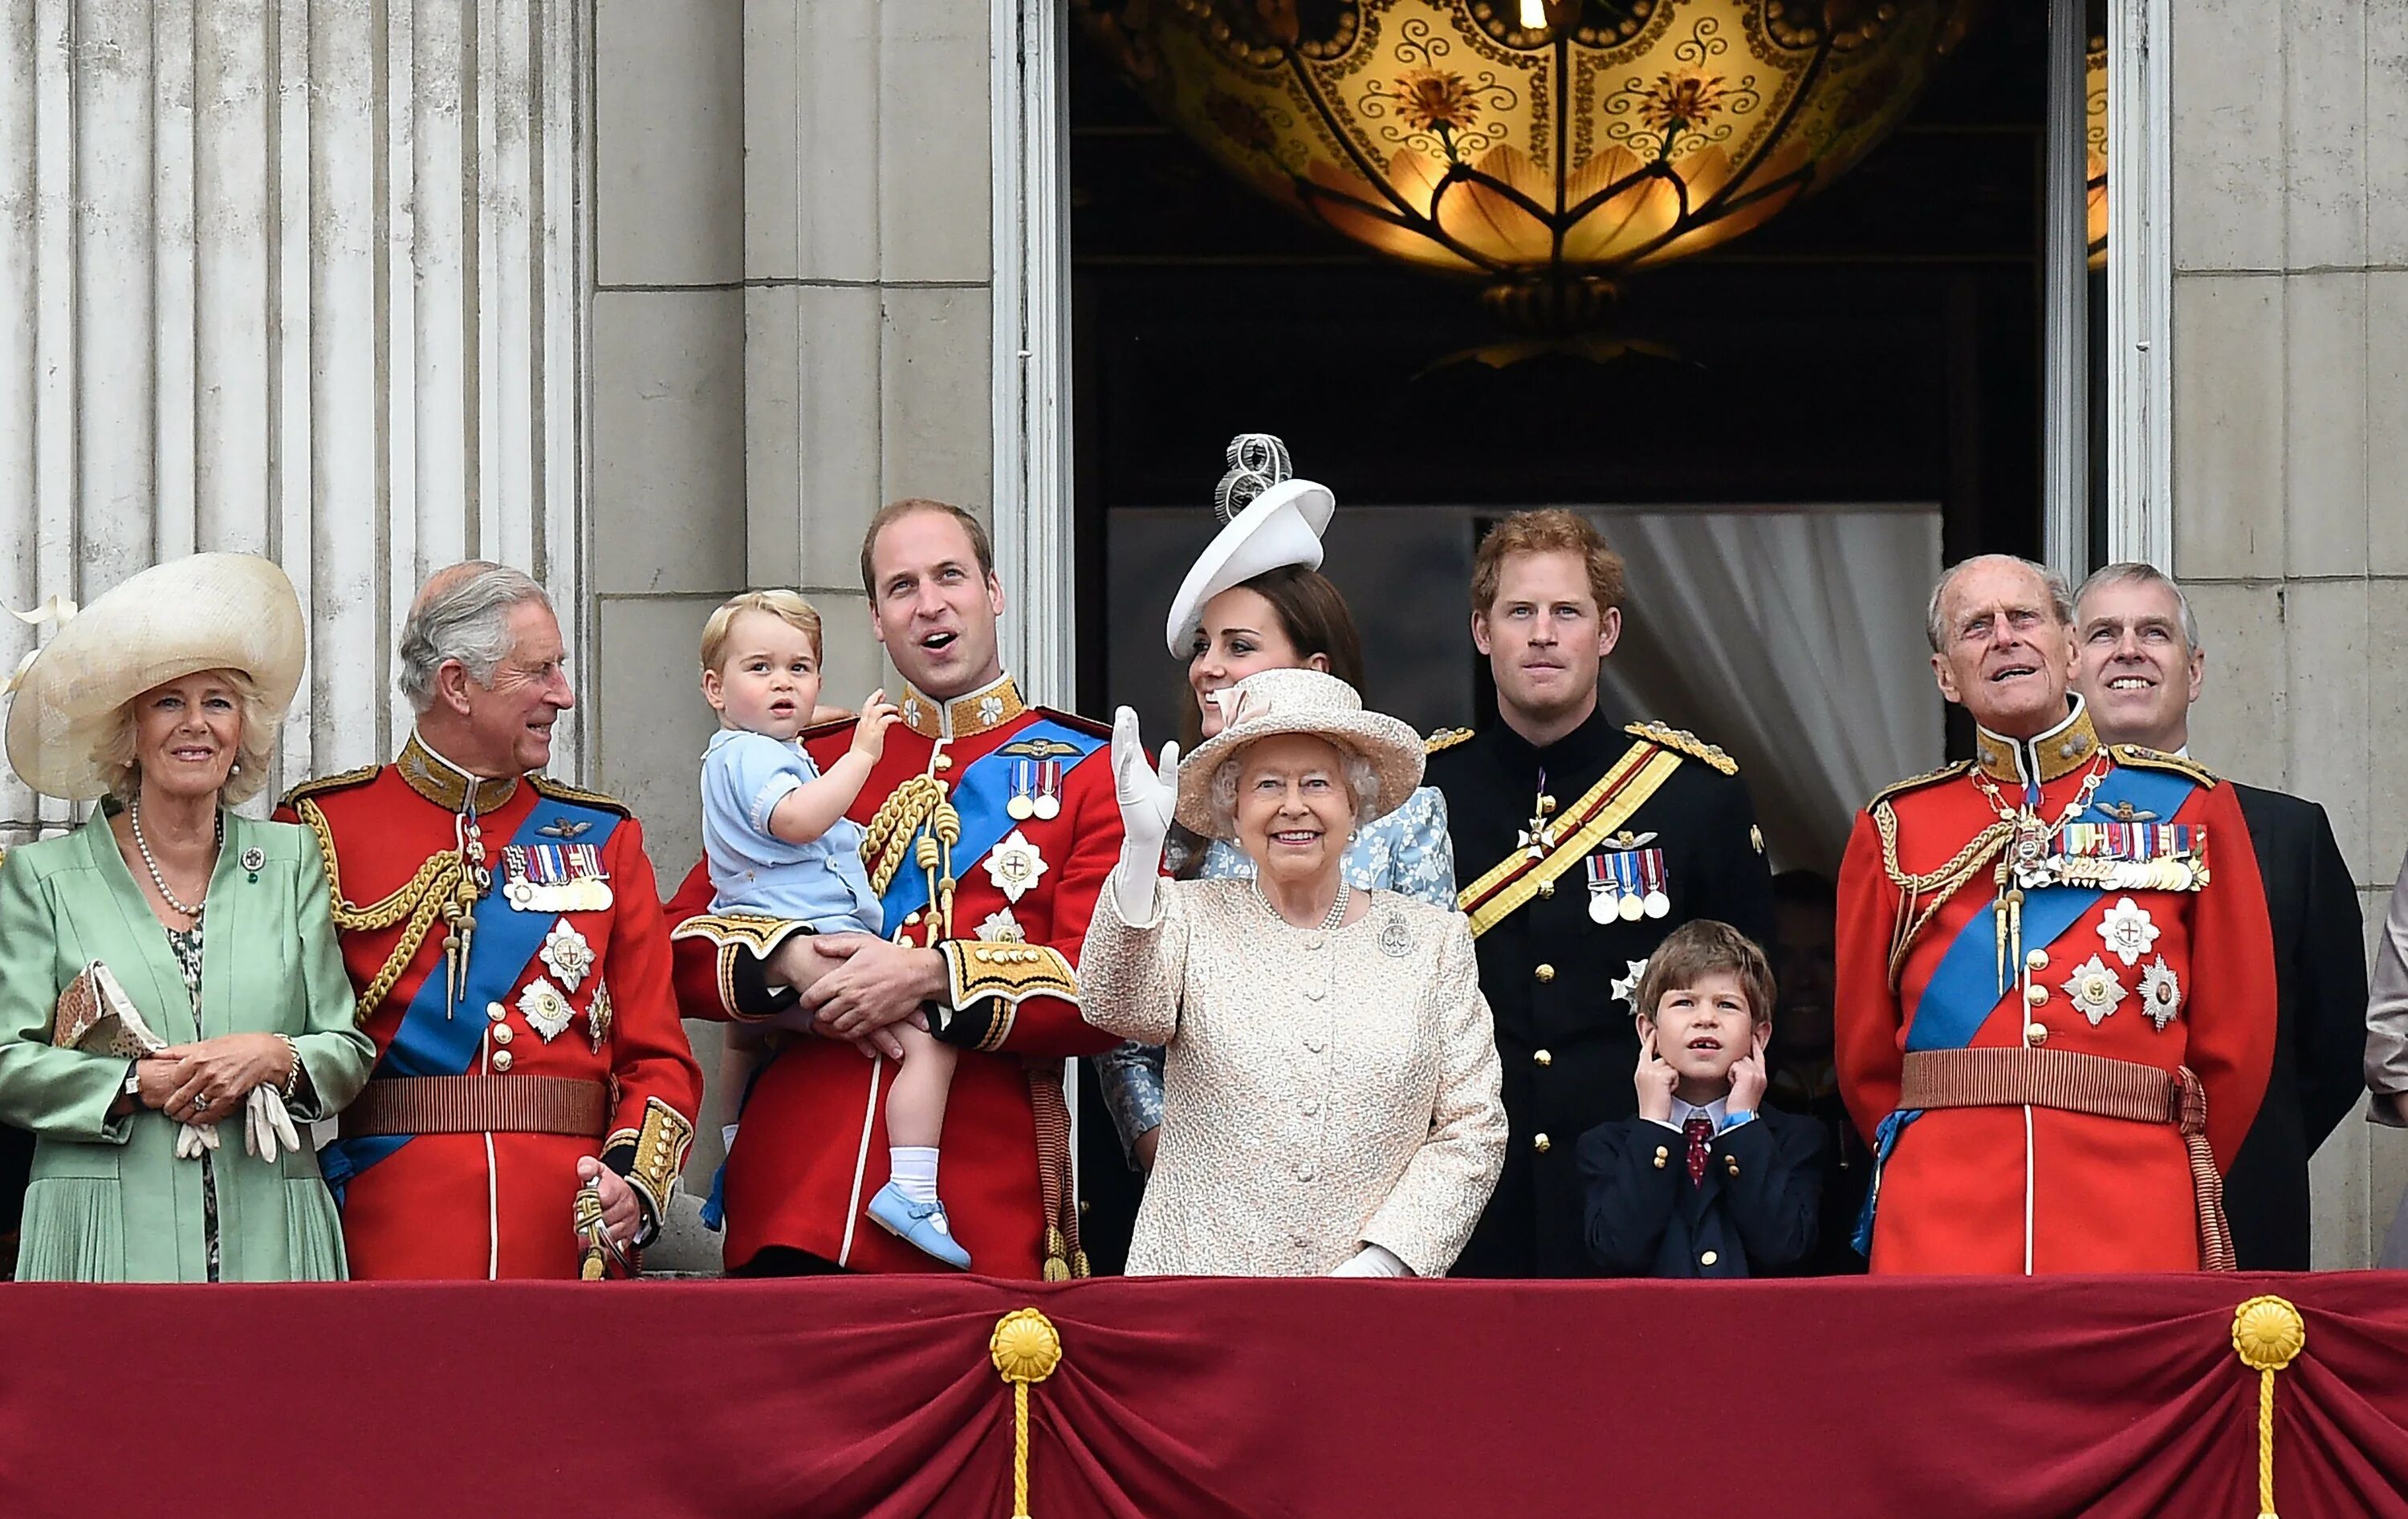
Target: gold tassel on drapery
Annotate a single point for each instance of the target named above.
(2267, 1334)
(1026, 1348)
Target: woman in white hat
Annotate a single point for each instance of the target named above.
(200, 941)
(1333, 1083)
(1255, 599)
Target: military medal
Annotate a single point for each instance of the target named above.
(1601, 890)
(1048, 805)
(555, 878)
(2160, 994)
(1014, 865)
(599, 1015)
(1021, 805)
(546, 1011)
(1632, 905)
(567, 954)
(1651, 871)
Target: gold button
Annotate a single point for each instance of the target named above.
(501, 1060)
(944, 762)
(1730, 1163)
(1546, 888)
(2037, 959)
(1541, 1143)
(503, 1033)
(2036, 995)
(2036, 1033)
(1708, 1258)
(1546, 974)
(1542, 1057)
(1662, 1155)
(496, 1012)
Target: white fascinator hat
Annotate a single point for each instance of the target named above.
(1270, 520)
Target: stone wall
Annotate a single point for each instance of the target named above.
(2291, 242)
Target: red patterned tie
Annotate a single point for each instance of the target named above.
(1699, 1128)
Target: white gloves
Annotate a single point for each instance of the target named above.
(1149, 797)
(192, 1139)
(1373, 1260)
(264, 1122)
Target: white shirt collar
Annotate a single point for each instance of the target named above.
(1717, 1112)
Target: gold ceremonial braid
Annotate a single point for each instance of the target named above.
(420, 899)
(886, 838)
(1026, 1348)
(1939, 884)
(2268, 1334)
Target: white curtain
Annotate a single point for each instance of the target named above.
(1793, 639)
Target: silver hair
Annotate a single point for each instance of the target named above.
(1362, 790)
(2134, 572)
(470, 622)
(2060, 595)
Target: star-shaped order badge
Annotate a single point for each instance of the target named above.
(567, 954)
(545, 1009)
(1001, 927)
(2129, 932)
(2094, 990)
(1014, 865)
(2160, 994)
(1625, 989)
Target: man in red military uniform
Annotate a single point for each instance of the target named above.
(989, 827)
(505, 934)
(2055, 1007)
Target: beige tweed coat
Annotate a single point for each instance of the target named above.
(1321, 1090)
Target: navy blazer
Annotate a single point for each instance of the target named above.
(1755, 1214)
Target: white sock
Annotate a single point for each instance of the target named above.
(912, 1168)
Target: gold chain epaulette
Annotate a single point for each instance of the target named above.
(1682, 741)
(1938, 885)
(1444, 738)
(561, 790)
(2146, 758)
(1949, 771)
(886, 838)
(419, 901)
(324, 784)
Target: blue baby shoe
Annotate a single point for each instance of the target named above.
(919, 1224)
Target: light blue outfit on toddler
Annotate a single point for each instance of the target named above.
(824, 883)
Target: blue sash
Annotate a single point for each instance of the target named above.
(429, 1042)
(1964, 991)
(980, 793)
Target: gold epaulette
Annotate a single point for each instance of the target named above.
(2157, 759)
(1683, 741)
(1949, 771)
(561, 790)
(1444, 738)
(324, 784)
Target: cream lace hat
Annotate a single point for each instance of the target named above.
(209, 612)
(1272, 702)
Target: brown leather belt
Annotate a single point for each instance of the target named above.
(2073, 1083)
(479, 1105)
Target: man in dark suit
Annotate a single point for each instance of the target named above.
(2142, 666)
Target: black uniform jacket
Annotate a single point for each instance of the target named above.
(1548, 968)
(2320, 1026)
(1754, 1213)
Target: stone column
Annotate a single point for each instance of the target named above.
(302, 278)
(2290, 243)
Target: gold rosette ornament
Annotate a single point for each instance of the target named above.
(1026, 1348)
(2268, 1334)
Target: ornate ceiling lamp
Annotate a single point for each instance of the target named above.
(1548, 147)
(2094, 132)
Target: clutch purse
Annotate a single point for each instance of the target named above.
(95, 1016)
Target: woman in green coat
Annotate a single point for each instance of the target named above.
(165, 695)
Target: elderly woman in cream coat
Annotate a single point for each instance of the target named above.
(1331, 1101)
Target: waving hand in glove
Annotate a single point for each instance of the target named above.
(1149, 795)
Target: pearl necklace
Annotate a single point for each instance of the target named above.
(1329, 923)
(133, 813)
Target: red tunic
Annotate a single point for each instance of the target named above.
(812, 1150)
(500, 1205)
(2009, 1189)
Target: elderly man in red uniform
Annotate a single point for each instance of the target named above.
(989, 827)
(505, 935)
(2055, 1007)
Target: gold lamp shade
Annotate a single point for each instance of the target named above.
(1545, 146)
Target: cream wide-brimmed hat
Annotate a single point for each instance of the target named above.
(1272, 702)
(209, 612)
(1271, 520)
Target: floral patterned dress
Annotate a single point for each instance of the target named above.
(186, 943)
(1407, 851)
